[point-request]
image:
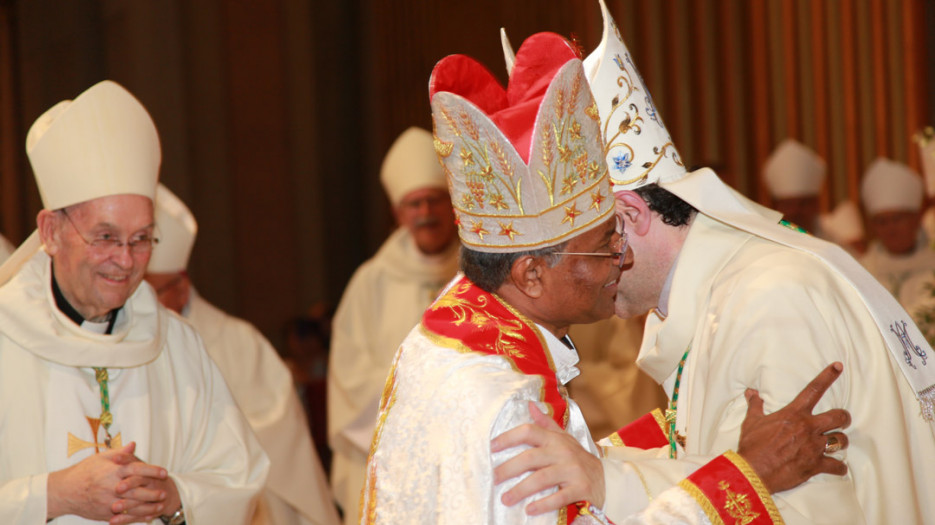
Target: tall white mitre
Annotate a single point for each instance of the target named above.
(101, 143)
(177, 229)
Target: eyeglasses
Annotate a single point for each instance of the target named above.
(619, 247)
(106, 244)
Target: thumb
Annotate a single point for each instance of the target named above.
(754, 405)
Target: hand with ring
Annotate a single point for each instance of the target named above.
(789, 446)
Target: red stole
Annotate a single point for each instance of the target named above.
(481, 322)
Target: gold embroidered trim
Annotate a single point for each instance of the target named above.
(660, 420)
(387, 400)
(649, 494)
(557, 240)
(756, 483)
(703, 501)
(615, 440)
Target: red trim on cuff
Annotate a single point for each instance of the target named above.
(729, 491)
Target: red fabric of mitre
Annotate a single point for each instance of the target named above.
(513, 110)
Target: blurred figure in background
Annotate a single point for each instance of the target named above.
(384, 299)
(296, 492)
(899, 251)
(794, 174)
(844, 226)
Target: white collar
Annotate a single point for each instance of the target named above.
(563, 358)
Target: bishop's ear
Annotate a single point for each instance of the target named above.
(526, 275)
(634, 211)
(47, 222)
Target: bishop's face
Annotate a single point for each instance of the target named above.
(427, 214)
(897, 230)
(581, 288)
(97, 275)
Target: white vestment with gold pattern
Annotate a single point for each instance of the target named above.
(383, 301)
(165, 395)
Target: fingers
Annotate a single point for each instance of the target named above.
(534, 483)
(833, 419)
(527, 434)
(561, 498)
(138, 468)
(830, 465)
(809, 396)
(525, 461)
(542, 420)
(835, 441)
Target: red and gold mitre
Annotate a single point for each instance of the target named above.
(525, 164)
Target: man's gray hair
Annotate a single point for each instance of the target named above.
(490, 270)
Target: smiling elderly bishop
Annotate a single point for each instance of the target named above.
(110, 408)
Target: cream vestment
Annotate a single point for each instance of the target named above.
(900, 273)
(165, 394)
(755, 314)
(296, 491)
(383, 301)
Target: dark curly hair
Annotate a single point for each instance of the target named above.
(674, 211)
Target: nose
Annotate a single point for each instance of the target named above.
(122, 255)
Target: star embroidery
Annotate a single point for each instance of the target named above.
(507, 229)
(477, 227)
(596, 199)
(570, 213)
(467, 157)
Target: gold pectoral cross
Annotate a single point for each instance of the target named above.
(76, 444)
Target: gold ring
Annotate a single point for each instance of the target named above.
(832, 445)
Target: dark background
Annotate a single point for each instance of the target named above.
(274, 115)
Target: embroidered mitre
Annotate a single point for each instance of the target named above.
(638, 147)
(525, 164)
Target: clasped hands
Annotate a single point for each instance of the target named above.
(113, 486)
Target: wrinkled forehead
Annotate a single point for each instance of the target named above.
(124, 211)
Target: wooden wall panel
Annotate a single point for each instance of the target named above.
(275, 116)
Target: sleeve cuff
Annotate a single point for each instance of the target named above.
(729, 491)
(646, 432)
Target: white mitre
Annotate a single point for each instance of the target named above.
(794, 170)
(176, 229)
(101, 143)
(411, 164)
(890, 186)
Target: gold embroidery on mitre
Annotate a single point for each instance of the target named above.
(442, 149)
(76, 444)
(738, 506)
(508, 230)
(570, 213)
(596, 199)
(477, 227)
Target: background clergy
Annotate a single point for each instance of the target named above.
(111, 409)
(383, 299)
(296, 491)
